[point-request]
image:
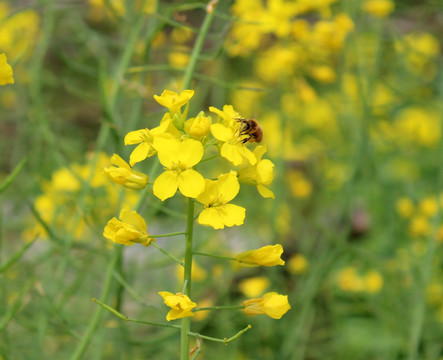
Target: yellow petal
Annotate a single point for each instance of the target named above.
(228, 187)
(232, 214)
(134, 219)
(168, 151)
(233, 153)
(265, 172)
(247, 154)
(228, 114)
(111, 229)
(126, 234)
(210, 193)
(190, 152)
(135, 137)
(163, 294)
(140, 153)
(221, 132)
(117, 175)
(265, 192)
(165, 186)
(191, 183)
(259, 151)
(211, 217)
(118, 161)
(275, 305)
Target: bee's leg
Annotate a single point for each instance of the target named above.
(246, 139)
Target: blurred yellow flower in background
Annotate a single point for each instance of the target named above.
(405, 207)
(297, 264)
(348, 280)
(6, 75)
(379, 8)
(197, 272)
(255, 286)
(373, 281)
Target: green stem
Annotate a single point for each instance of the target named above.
(211, 157)
(215, 256)
(168, 235)
(223, 307)
(121, 316)
(197, 49)
(186, 322)
(224, 341)
(167, 254)
(190, 333)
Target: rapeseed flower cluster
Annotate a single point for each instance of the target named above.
(57, 209)
(420, 216)
(181, 143)
(18, 31)
(350, 280)
(111, 10)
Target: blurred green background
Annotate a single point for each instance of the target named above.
(349, 96)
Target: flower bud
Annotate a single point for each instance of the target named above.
(272, 304)
(123, 174)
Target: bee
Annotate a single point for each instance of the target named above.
(251, 129)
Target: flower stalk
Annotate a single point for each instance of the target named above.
(186, 322)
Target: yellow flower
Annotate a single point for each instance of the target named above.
(123, 174)
(418, 126)
(178, 158)
(181, 306)
(373, 281)
(299, 185)
(378, 8)
(215, 197)
(298, 264)
(145, 139)
(261, 174)
(179, 57)
(198, 127)
(434, 293)
(255, 286)
(419, 226)
(174, 101)
(18, 31)
(5, 71)
(269, 255)
(102, 9)
(429, 206)
(349, 280)
(272, 304)
(323, 73)
(405, 207)
(131, 229)
(228, 132)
